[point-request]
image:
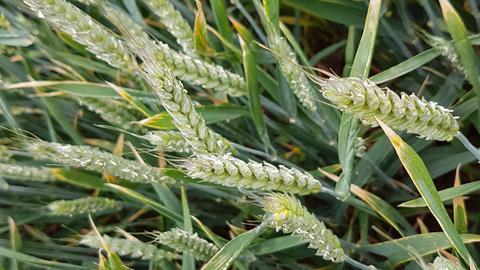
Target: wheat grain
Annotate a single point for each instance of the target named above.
(81, 206)
(26, 173)
(127, 247)
(366, 101)
(175, 23)
(285, 213)
(93, 159)
(187, 242)
(229, 171)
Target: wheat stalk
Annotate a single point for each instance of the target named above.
(175, 24)
(97, 39)
(366, 101)
(128, 247)
(187, 242)
(170, 141)
(27, 173)
(287, 62)
(285, 213)
(81, 206)
(113, 113)
(229, 171)
(93, 159)
(185, 67)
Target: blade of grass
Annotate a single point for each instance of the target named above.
(15, 243)
(229, 253)
(188, 261)
(460, 219)
(254, 91)
(420, 176)
(464, 48)
(446, 194)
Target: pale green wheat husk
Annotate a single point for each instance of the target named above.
(187, 242)
(113, 113)
(229, 171)
(93, 159)
(169, 141)
(442, 263)
(187, 68)
(365, 100)
(285, 213)
(26, 173)
(287, 62)
(177, 103)
(175, 23)
(71, 20)
(127, 247)
(81, 206)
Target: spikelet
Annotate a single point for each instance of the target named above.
(444, 46)
(442, 263)
(229, 171)
(177, 103)
(26, 173)
(187, 242)
(185, 67)
(93, 159)
(81, 206)
(126, 247)
(98, 40)
(175, 23)
(285, 213)
(170, 141)
(365, 100)
(287, 62)
(112, 113)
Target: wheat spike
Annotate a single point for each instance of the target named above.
(81, 206)
(184, 241)
(93, 159)
(229, 171)
(366, 101)
(285, 213)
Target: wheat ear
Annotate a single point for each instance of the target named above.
(285, 213)
(175, 24)
(113, 113)
(287, 62)
(177, 103)
(127, 247)
(229, 171)
(185, 67)
(81, 206)
(170, 141)
(93, 159)
(366, 101)
(187, 242)
(26, 173)
(97, 39)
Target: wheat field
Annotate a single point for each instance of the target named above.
(216, 135)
